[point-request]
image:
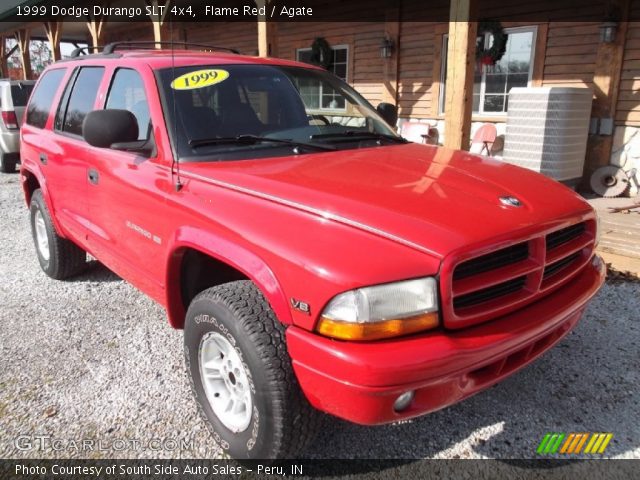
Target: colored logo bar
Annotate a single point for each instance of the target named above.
(573, 443)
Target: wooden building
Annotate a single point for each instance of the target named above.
(429, 69)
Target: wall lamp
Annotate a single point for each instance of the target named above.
(608, 32)
(386, 48)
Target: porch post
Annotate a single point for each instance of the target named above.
(267, 32)
(6, 53)
(23, 37)
(459, 78)
(53, 30)
(606, 82)
(4, 71)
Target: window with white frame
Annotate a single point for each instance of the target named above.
(319, 96)
(491, 85)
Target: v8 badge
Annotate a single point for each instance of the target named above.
(301, 306)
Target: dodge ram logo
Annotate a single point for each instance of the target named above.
(510, 201)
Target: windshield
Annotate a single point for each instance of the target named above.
(250, 111)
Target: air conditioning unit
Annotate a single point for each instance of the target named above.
(547, 130)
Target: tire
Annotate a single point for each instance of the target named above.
(281, 421)
(58, 257)
(6, 165)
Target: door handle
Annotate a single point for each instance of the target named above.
(43, 158)
(93, 176)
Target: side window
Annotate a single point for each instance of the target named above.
(127, 93)
(81, 100)
(42, 98)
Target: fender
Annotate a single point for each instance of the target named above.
(227, 252)
(42, 182)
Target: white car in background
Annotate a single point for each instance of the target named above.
(14, 95)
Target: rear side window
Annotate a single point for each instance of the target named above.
(20, 94)
(127, 93)
(81, 100)
(40, 104)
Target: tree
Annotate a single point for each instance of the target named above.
(40, 54)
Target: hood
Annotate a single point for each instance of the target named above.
(434, 199)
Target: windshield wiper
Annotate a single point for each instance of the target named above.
(349, 135)
(252, 140)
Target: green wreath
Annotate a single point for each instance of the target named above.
(490, 56)
(321, 53)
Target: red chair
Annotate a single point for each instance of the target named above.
(483, 139)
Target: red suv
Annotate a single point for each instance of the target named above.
(315, 259)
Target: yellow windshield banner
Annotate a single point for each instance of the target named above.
(199, 79)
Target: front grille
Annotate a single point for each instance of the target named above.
(490, 293)
(491, 261)
(496, 283)
(565, 235)
(560, 264)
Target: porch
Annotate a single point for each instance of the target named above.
(429, 69)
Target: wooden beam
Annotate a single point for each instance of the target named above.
(159, 13)
(606, 81)
(263, 29)
(4, 71)
(459, 79)
(540, 54)
(390, 69)
(95, 25)
(53, 30)
(23, 37)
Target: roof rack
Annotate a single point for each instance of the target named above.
(79, 50)
(111, 47)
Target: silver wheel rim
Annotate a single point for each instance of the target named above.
(225, 382)
(42, 240)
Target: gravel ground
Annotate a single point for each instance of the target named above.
(94, 359)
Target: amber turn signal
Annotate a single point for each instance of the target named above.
(376, 330)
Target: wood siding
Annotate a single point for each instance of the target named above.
(416, 69)
(243, 36)
(628, 108)
(565, 55)
(570, 57)
(363, 39)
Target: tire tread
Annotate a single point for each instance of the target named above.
(66, 258)
(298, 419)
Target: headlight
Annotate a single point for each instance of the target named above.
(382, 311)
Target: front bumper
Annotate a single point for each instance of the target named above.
(361, 381)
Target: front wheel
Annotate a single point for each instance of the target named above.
(242, 377)
(59, 258)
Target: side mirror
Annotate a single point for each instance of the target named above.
(104, 128)
(389, 113)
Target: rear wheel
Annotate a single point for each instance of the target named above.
(242, 377)
(7, 165)
(58, 257)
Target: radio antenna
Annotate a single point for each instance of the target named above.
(176, 157)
